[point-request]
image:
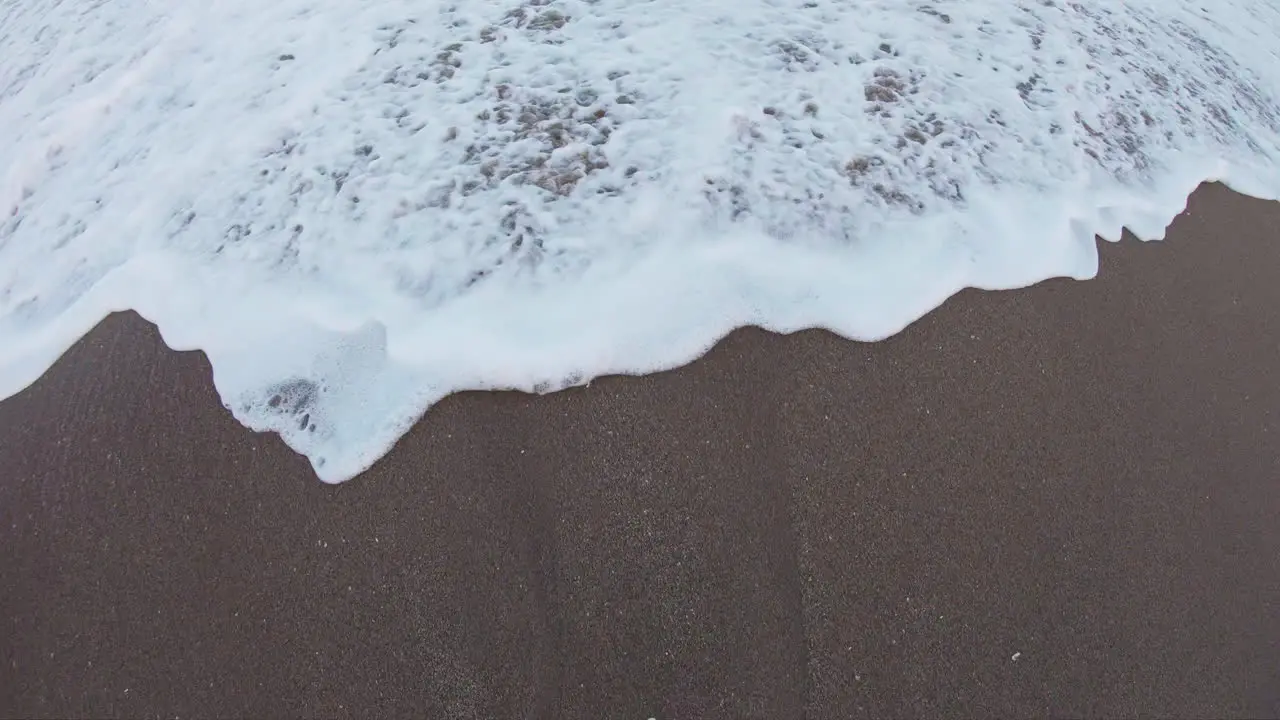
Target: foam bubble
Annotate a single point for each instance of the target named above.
(357, 208)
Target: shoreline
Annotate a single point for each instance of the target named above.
(1058, 500)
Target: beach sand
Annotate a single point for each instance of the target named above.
(1060, 500)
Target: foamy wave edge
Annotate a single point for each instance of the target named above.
(349, 386)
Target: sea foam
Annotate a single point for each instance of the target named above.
(357, 208)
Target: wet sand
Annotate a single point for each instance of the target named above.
(1063, 500)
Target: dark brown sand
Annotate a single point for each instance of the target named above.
(1063, 500)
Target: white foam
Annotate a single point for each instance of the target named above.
(357, 208)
